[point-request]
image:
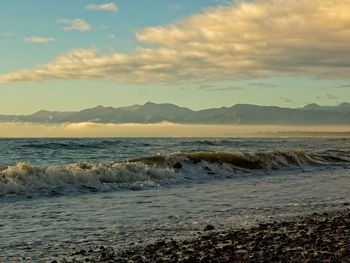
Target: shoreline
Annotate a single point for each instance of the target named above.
(318, 237)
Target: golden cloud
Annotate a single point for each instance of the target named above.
(245, 40)
(163, 130)
(74, 24)
(39, 40)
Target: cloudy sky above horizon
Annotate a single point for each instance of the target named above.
(69, 55)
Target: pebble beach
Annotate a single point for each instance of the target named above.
(315, 238)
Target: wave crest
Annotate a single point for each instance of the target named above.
(251, 161)
(24, 179)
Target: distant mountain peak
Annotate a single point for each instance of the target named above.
(149, 103)
(169, 106)
(343, 107)
(159, 104)
(42, 112)
(99, 107)
(155, 113)
(311, 105)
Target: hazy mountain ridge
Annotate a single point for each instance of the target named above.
(343, 107)
(155, 113)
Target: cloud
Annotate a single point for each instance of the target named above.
(40, 40)
(74, 24)
(107, 7)
(30, 130)
(208, 87)
(246, 40)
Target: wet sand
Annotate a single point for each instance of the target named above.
(315, 238)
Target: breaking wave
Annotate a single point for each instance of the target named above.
(24, 179)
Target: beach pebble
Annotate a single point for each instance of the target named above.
(209, 227)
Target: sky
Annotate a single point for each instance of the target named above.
(68, 55)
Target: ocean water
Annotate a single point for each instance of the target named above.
(60, 194)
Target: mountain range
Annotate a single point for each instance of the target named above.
(312, 114)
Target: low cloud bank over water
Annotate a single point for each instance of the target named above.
(87, 129)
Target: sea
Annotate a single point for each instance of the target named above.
(60, 195)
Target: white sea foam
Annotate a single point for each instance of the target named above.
(25, 179)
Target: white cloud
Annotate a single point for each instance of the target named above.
(248, 40)
(107, 7)
(40, 40)
(75, 24)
